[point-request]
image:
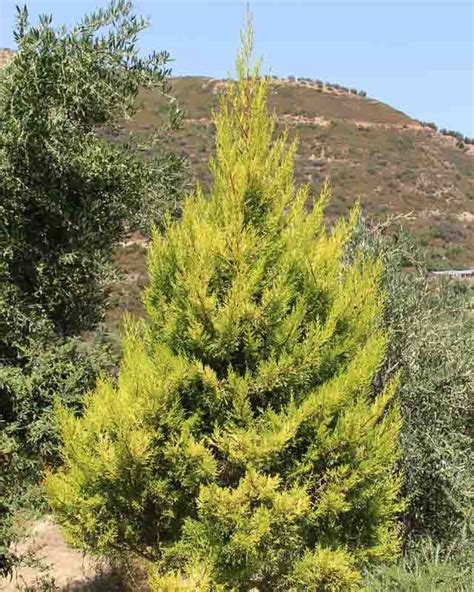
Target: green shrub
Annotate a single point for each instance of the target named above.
(425, 568)
(432, 340)
(16, 468)
(436, 401)
(35, 367)
(15, 472)
(61, 371)
(243, 445)
(67, 196)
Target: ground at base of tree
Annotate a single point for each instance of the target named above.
(60, 568)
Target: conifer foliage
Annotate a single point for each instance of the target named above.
(244, 445)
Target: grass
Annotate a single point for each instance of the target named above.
(426, 568)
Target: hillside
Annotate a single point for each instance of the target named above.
(394, 164)
(369, 150)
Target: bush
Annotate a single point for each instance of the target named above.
(15, 472)
(16, 469)
(67, 197)
(432, 333)
(61, 371)
(437, 406)
(458, 136)
(243, 445)
(35, 367)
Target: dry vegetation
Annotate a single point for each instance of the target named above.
(369, 150)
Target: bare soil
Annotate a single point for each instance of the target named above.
(57, 565)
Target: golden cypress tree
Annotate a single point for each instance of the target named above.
(244, 445)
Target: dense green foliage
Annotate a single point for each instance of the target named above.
(67, 197)
(15, 468)
(19, 328)
(63, 371)
(435, 349)
(432, 342)
(65, 194)
(244, 444)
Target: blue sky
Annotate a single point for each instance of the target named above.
(415, 55)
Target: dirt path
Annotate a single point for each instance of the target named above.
(59, 563)
(290, 119)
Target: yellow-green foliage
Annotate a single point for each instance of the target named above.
(325, 570)
(244, 445)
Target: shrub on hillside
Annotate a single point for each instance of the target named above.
(244, 445)
(461, 140)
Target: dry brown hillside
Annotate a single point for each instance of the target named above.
(368, 150)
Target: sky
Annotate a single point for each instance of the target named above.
(418, 56)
